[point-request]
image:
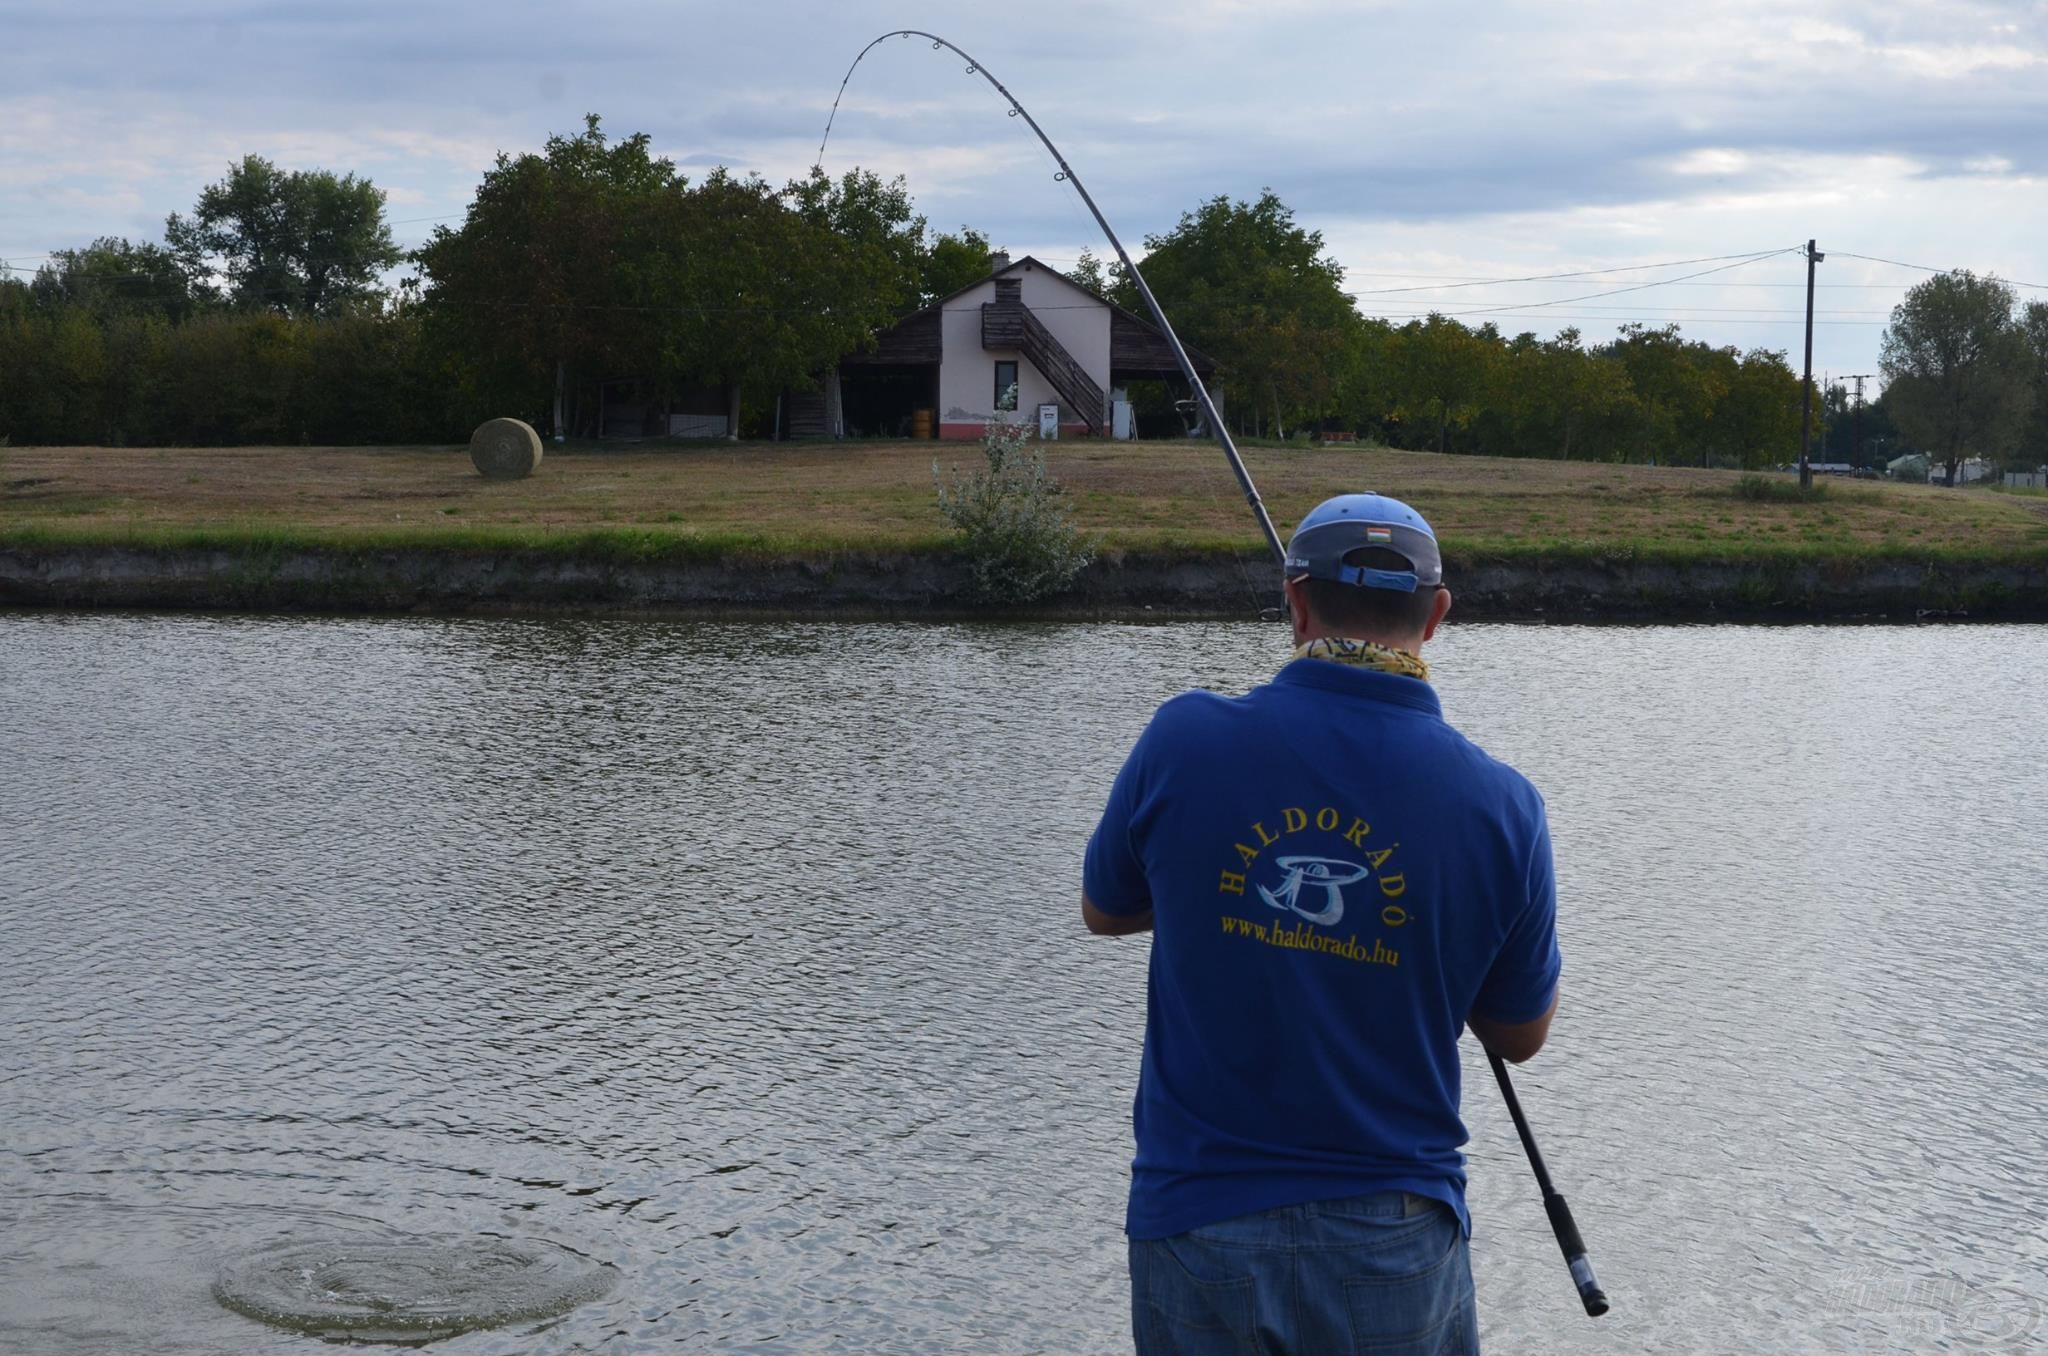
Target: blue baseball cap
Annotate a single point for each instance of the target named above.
(1336, 527)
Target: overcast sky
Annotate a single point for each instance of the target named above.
(1430, 143)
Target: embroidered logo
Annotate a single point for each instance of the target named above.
(1322, 879)
(1313, 888)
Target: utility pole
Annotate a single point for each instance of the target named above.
(1859, 378)
(1813, 256)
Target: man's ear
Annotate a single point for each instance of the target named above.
(1297, 607)
(1437, 610)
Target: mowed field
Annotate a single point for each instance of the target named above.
(812, 497)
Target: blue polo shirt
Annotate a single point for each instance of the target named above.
(1337, 877)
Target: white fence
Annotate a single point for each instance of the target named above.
(2026, 480)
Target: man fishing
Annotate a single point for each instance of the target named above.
(1338, 884)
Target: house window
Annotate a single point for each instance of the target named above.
(1006, 386)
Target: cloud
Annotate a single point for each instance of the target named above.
(1481, 140)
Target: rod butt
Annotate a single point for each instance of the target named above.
(1590, 1293)
(1574, 1249)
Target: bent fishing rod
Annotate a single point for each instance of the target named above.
(1561, 1222)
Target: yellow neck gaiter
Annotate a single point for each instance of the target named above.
(1366, 654)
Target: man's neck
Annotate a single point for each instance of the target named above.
(1411, 644)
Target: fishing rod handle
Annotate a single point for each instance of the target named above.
(1574, 1248)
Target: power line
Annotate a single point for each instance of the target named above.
(1924, 268)
(1747, 256)
(1615, 292)
(401, 221)
(1420, 308)
(1767, 286)
(1645, 317)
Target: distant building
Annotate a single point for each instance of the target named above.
(1918, 466)
(633, 409)
(948, 369)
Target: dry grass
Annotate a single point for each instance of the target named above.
(790, 497)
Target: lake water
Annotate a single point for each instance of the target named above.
(745, 959)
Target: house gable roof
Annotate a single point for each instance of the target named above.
(1203, 363)
(1014, 266)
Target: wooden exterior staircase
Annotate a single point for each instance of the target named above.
(1007, 323)
(813, 414)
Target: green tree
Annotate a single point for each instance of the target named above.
(235, 377)
(595, 259)
(550, 282)
(113, 276)
(1585, 401)
(1365, 376)
(371, 381)
(1756, 419)
(951, 262)
(862, 208)
(299, 242)
(762, 322)
(55, 361)
(1676, 386)
(2033, 446)
(1257, 293)
(1088, 272)
(1445, 375)
(1956, 368)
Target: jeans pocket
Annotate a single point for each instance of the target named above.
(1400, 1236)
(1179, 1312)
(1421, 1309)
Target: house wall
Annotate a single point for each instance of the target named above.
(967, 376)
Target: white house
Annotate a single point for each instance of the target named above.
(944, 371)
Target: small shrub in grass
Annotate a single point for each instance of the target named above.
(1020, 544)
(1765, 489)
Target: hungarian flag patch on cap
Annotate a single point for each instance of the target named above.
(1379, 534)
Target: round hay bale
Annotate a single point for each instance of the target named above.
(505, 449)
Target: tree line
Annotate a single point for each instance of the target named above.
(264, 315)
(1261, 295)
(1966, 367)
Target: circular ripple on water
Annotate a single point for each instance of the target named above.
(409, 1290)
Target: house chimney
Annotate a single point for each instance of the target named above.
(998, 261)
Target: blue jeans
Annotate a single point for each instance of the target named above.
(1387, 1273)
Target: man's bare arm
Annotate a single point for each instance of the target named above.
(1112, 924)
(1514, 1042)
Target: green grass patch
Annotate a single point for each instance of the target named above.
(876, 500)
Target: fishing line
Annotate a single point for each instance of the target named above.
(1066, 174)
(1574, 1249)
(1259, 606)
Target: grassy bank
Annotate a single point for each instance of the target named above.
(807, 500)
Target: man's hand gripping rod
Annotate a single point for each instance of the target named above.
(1553, 1204)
